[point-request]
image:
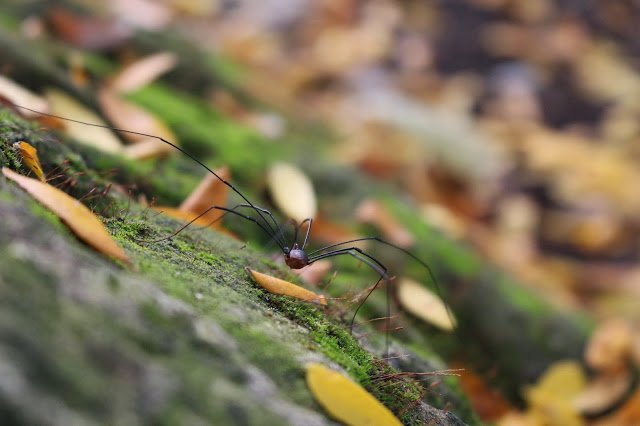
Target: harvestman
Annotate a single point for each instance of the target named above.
(295, 256)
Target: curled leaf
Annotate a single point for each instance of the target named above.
(422, 303)
(76, 215)
(292, 191)
(345, 400)
(278, 286)
(30, 158)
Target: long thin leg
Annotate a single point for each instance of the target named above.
(377, 266)
(185, 152)
(306, 236)
(225, 209)
(276, 233)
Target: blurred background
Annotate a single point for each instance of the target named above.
(513, 125)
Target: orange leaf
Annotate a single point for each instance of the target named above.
(30, 157)
(277, 286)
(78, 218)
(210, 192)
(345, 400)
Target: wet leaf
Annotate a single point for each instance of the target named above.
(143, 72)
(345, 400)
(551, 399)
(278, 286)
(374, 212)
(292, 191)
(22, 96)
(422, 303)
(76, 215)
(98, 137)
(210, 192)
(30, 158)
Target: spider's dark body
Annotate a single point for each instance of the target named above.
(296, 258)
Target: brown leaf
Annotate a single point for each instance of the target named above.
(292, 191)
(374, 212)
(143, 72)
(627, 415)
(330, 232)
(78, 218)
(126, 115)
(604, 392)
(85, 31)
(609, 349)
(210, 192)
(30, 158)
(278, 286)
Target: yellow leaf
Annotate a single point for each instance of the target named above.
(551, 399)
(65, 106)
(422, 303)
(292, 191)
(345, 400)
(78, 218)
(278, 286)
(30, 157)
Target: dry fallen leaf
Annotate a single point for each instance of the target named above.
(78, 218)
(422, 303)
(292, 191)
(551, 399)
(627, 415)
(345, 400)
(278, 286)
(30, 158)
(126, 115)
(609, 349)
(210, 192)
(604, 392)
(374, 212)
(189, 217)
(65, 106)
(23, 97)
(142, 72)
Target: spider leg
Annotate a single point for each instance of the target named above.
(306, 237)
(225, 209)
(275, 231)
(374, 264)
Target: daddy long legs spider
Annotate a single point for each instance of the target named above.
(295, 254)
